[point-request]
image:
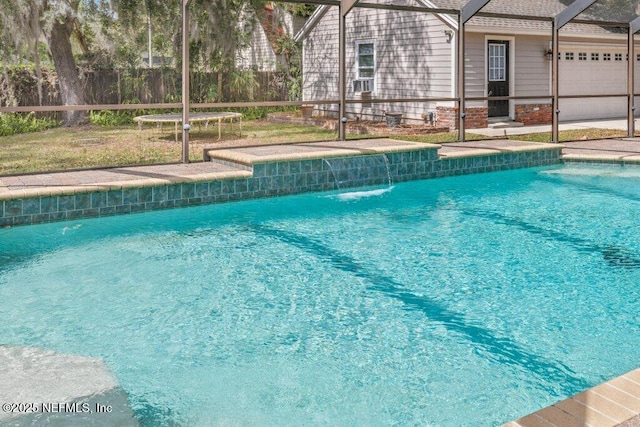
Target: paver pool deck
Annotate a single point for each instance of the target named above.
(616, 402)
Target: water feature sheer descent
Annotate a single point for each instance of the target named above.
(363, 170)
(347, 170)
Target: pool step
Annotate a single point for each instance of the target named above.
(49, 388)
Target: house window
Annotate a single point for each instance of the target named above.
(618, 57)
(497, 62)
(595, 57)
(366, 67)
(606, 57)
(582, 56)
(568, 56)
(638, 57)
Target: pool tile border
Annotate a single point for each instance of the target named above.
(261, 177)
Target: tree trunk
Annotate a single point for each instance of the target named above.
(70, 87)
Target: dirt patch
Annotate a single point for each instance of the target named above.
(358, 127)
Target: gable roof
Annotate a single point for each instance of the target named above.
(537, 8)
(313, 20)
(540, 8)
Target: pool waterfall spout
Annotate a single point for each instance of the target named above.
(349, 171)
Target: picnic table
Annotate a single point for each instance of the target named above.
(199, 118)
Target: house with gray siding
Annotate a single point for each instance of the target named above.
(264, 27)
(395, 54)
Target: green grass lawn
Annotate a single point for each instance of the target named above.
(97, 146)
(571, 135)
(100, 146)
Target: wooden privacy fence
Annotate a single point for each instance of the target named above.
(19, 87)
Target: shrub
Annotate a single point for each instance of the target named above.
(255, 113)
(14, 123)
(112, 118)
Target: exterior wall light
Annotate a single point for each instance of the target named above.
(448, 34)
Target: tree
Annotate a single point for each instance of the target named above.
(25, 22)
(614, 10)
(126, 22)
(219, 28)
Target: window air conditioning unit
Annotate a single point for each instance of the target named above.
(363, 85)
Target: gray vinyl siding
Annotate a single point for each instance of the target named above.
(413, 60)
(258, 53)
(533, 69)
(320, 60)
(475, 67)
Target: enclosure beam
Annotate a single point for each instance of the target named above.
(460, 45)
(466, 13)
(346, 6)
(571, 11)
(470, 9)
(559, 21)
(342, 72)
(185, 81)
(634, 26)
(555, 83)
(344, 9)
(631, 104)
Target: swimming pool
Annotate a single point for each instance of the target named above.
(459, 301)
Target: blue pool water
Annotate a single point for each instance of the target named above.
(460, 301)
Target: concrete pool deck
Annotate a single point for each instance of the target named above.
(264, 171)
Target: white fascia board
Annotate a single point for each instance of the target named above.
(505, 30)
(446, 19)
(537, 32)
(313, 20)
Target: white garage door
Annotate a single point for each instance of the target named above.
(593, 71)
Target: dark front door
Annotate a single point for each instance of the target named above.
(498, 76)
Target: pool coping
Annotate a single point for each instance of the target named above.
(321, 149)
(59, 190)
(613, 403)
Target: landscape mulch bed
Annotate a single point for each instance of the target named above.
(358, 127)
